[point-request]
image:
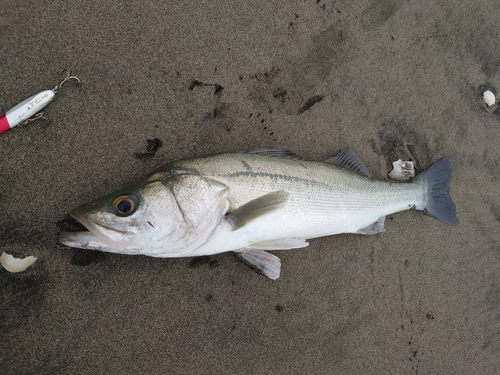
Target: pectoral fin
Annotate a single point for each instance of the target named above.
(374, 228)
(257, 208)
(267, 264)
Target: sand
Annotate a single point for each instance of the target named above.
(167, 80)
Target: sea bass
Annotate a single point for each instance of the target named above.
(252, 202)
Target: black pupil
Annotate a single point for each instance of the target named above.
(124, 206)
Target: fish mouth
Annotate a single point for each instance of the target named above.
(82, 240)
(93, 225)
(97, 236)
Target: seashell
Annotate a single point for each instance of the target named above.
(489, 98)
(12, 264)
(402, 171)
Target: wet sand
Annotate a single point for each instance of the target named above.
(164, 81)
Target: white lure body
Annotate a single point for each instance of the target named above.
(25, 110)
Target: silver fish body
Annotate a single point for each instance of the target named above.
(252, 202)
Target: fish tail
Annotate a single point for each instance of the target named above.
(438, 202)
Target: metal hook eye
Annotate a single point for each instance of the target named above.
(67, 77)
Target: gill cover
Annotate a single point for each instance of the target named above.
(202, 203)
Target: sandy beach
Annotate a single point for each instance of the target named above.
(161, 81)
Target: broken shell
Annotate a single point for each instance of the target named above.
(12, 264)
(489, 98)
(402, 170)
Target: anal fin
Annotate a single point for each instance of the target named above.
(267, 264)
(374, 228)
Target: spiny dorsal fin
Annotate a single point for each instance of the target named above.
(273, 152)
(349, 160)
(256, 208)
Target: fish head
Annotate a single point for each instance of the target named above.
(157, 217)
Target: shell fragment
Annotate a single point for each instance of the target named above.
(12, 264)
(489, 98)
(402, 170)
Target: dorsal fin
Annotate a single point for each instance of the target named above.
(349, 160)
(273, 152)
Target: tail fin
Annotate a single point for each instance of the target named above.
(438, 202)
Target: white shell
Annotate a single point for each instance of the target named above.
(12, 264)
(489, 98)
(402, 170)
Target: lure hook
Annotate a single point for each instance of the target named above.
(67, 77)
(38, 116)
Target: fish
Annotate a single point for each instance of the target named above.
(253, 202)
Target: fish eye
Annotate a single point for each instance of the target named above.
(125, 204)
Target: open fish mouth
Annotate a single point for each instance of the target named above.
(93, 225)
(97, 236)
(81, 240)
(97, 227)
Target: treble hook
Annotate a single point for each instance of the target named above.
(38, 116)
(67, 77)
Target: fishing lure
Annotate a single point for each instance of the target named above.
(22, 112)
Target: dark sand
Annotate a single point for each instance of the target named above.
(388, 78)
